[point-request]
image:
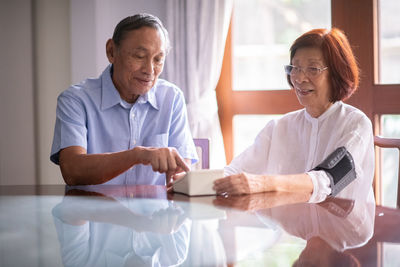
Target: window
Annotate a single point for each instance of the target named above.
(389, 41)
(390, 160)
(253, 80)
(246, 128)
(386, 91)
(263, 31)
(389, 69)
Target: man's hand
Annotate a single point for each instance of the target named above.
(164, 160)
(173, 178)
(243, 183)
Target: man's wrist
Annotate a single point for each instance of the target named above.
(136, 154)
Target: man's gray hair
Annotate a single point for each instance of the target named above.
(136, 22)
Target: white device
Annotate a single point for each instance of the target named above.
(198, 183)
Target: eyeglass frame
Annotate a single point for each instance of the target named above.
(320, 70)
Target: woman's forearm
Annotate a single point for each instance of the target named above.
(290, 183)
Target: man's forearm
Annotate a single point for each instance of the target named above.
(85, 169)
(80, 168)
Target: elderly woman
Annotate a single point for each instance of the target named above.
(318, 150)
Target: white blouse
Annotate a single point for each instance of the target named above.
(297, 142)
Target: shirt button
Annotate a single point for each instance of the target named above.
(133, 115)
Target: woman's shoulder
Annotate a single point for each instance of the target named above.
(284, 122)
(354, 116)
(353, 112)
(287, 118)
(293, 116)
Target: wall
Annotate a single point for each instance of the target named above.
(92, 24)
(52, 75)
(17, 143)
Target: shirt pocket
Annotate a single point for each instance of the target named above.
(157, 140)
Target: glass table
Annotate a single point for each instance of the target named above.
(148, 226)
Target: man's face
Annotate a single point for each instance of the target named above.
(138, 61)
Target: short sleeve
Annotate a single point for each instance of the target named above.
(70, 127)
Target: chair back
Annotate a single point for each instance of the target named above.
(382, 142)
(203, 151)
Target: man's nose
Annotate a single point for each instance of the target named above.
(148, 67)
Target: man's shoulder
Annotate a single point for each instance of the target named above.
(82, 89)
(167, 90)
(165, 85)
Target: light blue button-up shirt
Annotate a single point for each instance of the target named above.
(93, 115)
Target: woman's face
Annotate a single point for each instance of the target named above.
(311, 81)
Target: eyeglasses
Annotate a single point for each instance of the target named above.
(310, 72)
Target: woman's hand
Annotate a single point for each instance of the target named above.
(243, 183)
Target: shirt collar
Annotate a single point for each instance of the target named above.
(150, 97)
(324, 115)
(110, 95)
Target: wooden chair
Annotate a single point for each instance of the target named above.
(382, 142)
(203, 149)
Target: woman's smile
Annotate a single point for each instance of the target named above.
(304, 92)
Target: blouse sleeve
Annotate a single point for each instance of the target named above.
(359, 141)
(321, 186)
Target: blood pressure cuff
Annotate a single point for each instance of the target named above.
(339, 166)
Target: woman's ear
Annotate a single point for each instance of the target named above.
(110, 50)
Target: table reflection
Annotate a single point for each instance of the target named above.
(330, 228)
(111, 230)
(146, 226)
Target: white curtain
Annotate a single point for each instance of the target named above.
(198, 29)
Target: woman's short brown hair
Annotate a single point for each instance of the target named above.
(339, 57)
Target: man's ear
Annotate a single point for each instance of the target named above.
(110, 50)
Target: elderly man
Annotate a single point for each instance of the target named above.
(127, 126)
